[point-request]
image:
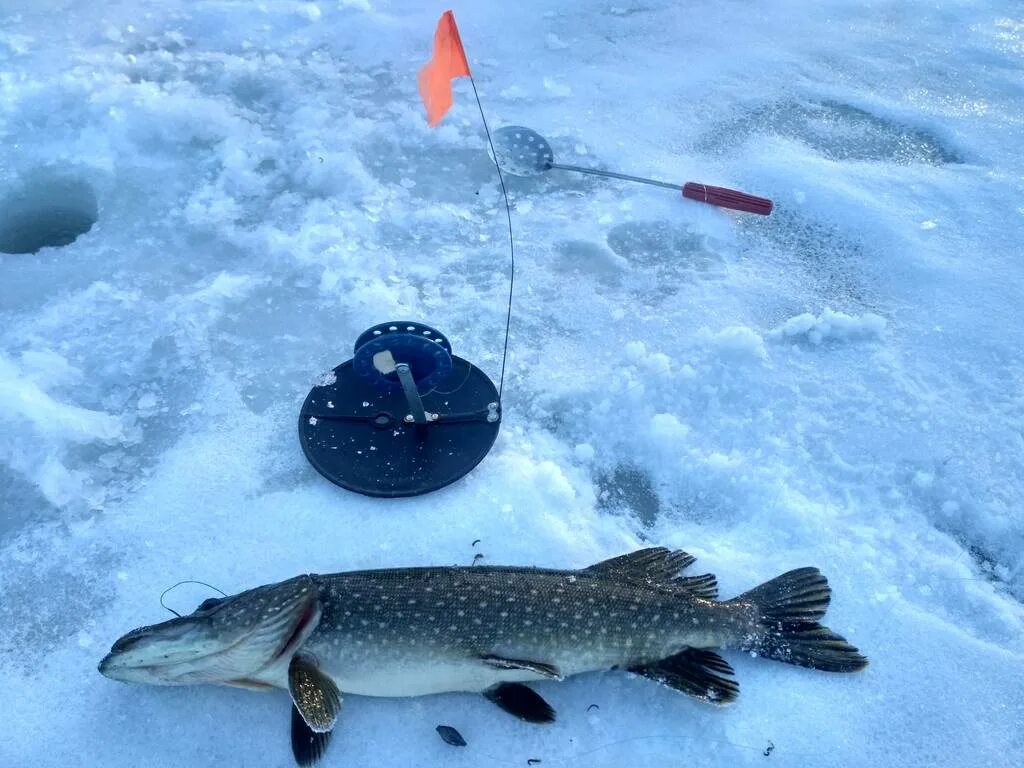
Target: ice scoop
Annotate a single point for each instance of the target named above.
(524, 152)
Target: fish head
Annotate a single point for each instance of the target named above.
(226, 641)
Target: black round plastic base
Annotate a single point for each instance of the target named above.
(355, 433)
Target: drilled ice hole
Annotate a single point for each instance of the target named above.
(46, 211)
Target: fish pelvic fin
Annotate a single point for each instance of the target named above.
(539, 668)
(521, 701)
(789, 609)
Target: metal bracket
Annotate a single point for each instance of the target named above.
(412, 395)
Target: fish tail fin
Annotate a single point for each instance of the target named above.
(790, 607)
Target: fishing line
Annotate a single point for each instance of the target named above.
(187, 581)
(511, 241)
(469, 372)
(698, 739)
(572, 759)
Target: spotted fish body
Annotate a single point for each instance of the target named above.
(408, 632)
(415, 631)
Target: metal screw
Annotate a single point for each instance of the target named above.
(430, 417)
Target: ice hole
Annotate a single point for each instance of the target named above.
(46, 212)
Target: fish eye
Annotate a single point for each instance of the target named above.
(209, 603)
(127, 641)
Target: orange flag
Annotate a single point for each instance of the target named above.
(447, 63)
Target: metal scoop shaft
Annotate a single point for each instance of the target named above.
(613, 175)
(719, 196)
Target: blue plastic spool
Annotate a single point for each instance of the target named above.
(425, 350)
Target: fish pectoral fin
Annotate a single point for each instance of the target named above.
(308, 746)
(539, 667)
(314, 694)
(521, 701)
(693, 672)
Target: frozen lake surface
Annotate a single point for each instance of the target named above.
(251, 184)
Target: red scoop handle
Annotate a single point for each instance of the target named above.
(727, 198)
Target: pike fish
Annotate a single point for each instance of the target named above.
(489, 630)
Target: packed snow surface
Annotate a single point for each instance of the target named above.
(222, 194)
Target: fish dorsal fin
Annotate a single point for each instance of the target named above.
(655, 564)
(704, 586)
(315, 695)
(693, 671)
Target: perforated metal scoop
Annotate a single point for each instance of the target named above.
(523, 152)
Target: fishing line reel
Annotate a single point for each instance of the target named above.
(403, 417)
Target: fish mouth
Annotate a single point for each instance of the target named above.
(235, 639)
(172, 629)
(105, 664)
(138, 658)
(139, 655)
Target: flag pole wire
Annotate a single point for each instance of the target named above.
(511, 242)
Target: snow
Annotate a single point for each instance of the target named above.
(830, 325)
(840, 384)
